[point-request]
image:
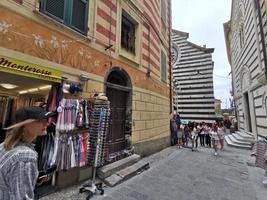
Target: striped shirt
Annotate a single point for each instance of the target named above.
(18, 172)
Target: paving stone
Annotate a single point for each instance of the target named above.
(112, 168)
(113, 180)
(196, 175)
(133, 170)
(127, 173)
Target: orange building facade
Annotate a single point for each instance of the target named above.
(123, 47)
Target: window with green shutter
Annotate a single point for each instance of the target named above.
(163, 67)
(73, 13)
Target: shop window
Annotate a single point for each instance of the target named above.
(128, 27)
(163, 67)
(73, 13)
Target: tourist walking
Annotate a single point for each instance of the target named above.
(179, 137)
(201, 134)
(214, 138)
(186, 135)
(207, 130)
(194, 137)
(227, 125)
(221, 134)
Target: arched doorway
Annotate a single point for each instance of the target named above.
(119, 92)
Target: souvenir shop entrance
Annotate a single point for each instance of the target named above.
(24, 84)
(67, 152)
(119, 93)
(19, 91)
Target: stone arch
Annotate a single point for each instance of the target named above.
(118, 88)
(123, 77)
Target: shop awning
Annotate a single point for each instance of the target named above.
(23, 68)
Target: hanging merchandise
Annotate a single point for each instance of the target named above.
(72, 115)
(45, 145)
(72, 151)
(54, 97)
(68, 142)
(7, 104)
(8, 107)
(99, 121)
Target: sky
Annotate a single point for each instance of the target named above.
(203, 20)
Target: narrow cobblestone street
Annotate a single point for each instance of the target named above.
(186, 175)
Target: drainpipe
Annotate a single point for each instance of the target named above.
(149, 42)
(170, 55)
(263, 43)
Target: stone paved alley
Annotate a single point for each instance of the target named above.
(186, 175)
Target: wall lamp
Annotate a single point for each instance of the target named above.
(84, 77)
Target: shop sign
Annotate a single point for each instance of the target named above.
(18, 67)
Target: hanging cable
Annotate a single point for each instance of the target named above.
(220, 76)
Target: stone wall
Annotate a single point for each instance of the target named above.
(150, 128)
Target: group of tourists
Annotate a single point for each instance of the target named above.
(208, 134)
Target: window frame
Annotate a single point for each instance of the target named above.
(131, 21)
(163, 70)
(67, 14)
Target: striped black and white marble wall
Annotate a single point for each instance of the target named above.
(193, 79)
(246, 36)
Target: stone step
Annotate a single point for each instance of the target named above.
(244, 135)
(240, 138)
(112, 168)
(239, 146)
(249, 133)
(237, 141)
(126, 173)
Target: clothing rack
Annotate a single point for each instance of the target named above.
(76, 117)
(99, 121)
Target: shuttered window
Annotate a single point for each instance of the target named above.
(163, 67)
(55, 8)
(79, 14)
(73, 13)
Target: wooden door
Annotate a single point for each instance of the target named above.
(116, 137)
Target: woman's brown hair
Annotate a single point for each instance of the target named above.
(13, 137)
